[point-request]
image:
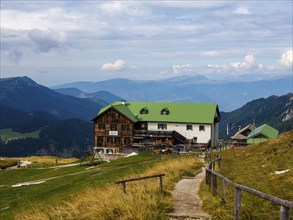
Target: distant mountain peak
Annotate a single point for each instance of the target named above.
(20, 80)
(24, 94)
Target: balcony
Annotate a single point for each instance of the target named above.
(157, 134)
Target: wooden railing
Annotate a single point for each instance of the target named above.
(147, 133)
(123, 182)
(211, 180)
(179, 137)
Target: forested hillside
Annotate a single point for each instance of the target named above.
(22, 93)
(277, 111)
(64, 138)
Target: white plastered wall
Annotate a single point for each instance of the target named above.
(202, 136)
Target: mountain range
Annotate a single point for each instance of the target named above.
(24, 94)
(62, 122)
(100, 97)
(277, 111)
(228, 95)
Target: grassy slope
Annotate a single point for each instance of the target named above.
(66, 188)
(255, 167)
(142, 201)
(8, 134)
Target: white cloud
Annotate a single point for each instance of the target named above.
(285, 64)
(241, 11)
(182, 69)
(51, 18)
(188, 4)
(124, 8)
(286, 60)
(249, 65)
(117, 66)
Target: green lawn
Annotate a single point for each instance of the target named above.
(13, 200)
(8, 134)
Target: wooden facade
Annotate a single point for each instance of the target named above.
(113, 129)
(137, 125)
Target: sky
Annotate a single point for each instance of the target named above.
(56, 42)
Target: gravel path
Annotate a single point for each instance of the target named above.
(187, 204)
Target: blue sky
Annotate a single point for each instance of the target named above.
(54, 42)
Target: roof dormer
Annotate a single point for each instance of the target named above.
(144, 110)
(165, 111)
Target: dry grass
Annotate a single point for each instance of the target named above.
(7, 162)
(141, 202)
(49, 160)
(255, 167)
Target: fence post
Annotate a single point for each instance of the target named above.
(207, 178)
(224, 191)
(123, 187)
(214, 178)
(219, 162)
(237, 203)
(284, 213)
(161, 184)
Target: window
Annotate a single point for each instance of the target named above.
(143, 126)
(117, 140)
(100, 139)
(109, 151)
(109, 139)
(165, 111)
(101, 126)
(126, 140)
(99, 119)
(125, 127)
(113, 127)
(194, 140)
(162, 126)
(201, 128)
(189, 127)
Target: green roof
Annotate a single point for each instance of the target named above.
(265, 130)
(175, 112)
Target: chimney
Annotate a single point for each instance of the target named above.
(123, 101)
(239, 127)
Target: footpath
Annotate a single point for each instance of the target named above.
(186, 201)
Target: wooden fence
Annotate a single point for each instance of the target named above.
(123, 182)
(211, 180)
